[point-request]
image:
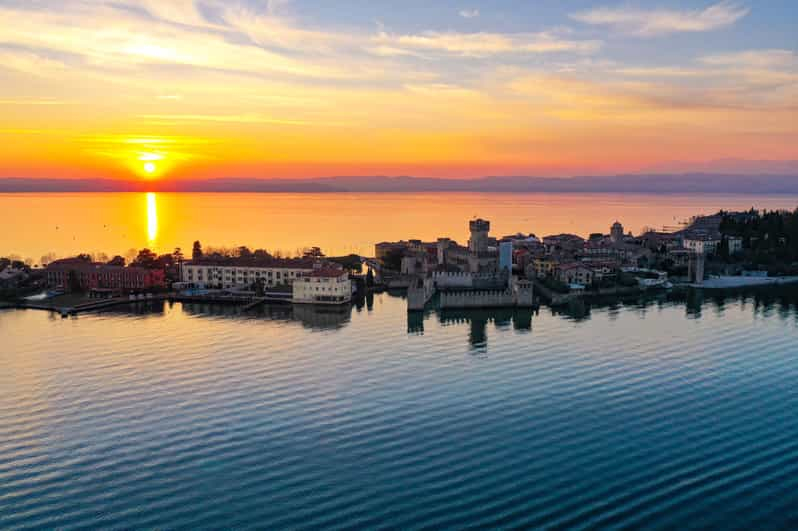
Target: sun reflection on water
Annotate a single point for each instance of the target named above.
(152, 218)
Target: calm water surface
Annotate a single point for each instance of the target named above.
(67, 224)
(663, 414)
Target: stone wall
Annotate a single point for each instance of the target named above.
(477, 299)
(419, 293)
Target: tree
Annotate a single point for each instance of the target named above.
(312, 252)
(244, 252)
(177, 255)
(260, 288)
(369, 278)
(84, 257)
(723, 249)
(165, 260)
(196, 251)
(146, 259)
(117, 261)
(261, 254)
(46, 259)
(350, 262)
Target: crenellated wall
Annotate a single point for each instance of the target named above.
(477, 299)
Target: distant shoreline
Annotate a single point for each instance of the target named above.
(671, 184)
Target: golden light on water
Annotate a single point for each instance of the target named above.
(152, 218)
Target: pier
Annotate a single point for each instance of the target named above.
(248, 302)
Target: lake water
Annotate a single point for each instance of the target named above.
(67, 224)
(662, 413)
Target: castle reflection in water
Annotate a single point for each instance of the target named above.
(781, 302)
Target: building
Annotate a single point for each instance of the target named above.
(226, 273)
(545, 267)
(506, 256)
(415, 264)
(71, 273)
(559, 243)
(616, 233)
(11, 277)
(628, 253)
(323, 285)
(704, 244)
(575, 273)
(415, 257)
(735, 244)
(383, 249)
(479, 240)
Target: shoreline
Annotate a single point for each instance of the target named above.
(743, 282)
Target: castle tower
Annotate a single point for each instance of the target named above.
(616, 232)
(478, 243)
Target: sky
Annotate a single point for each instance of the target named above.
(176, 89)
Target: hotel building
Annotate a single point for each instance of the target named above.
(243, 272)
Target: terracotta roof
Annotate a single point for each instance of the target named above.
(274, 263)
(84, 266)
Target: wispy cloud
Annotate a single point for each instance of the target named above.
(227, 118)
(754, 58)
(469, 13)
(35, 102)
(482, 44)
(654, 22)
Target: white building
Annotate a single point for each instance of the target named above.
(702, 244)
(323, 286)
(243, 272)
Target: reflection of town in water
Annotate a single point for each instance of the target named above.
(781, 302)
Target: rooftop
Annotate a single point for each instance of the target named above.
(328, 272)
(274, 263)
(83, 265)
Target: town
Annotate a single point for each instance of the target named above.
(724, 250)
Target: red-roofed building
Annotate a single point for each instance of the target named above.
(70, 273)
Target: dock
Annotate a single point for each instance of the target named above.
(247, 301)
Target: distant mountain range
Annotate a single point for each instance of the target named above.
(697, 183)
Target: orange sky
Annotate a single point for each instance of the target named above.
(167, 91)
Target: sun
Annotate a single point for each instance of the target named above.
(149, 167)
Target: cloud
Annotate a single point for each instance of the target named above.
(35, 102)
(111, 39)
(753, 58)
(227, 118)
(481, 44)
(649, 23)
(469, 13)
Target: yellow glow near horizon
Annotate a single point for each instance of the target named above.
(148, 167)
(152, 218)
